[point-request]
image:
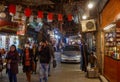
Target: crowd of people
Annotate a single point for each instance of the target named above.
(29, 56)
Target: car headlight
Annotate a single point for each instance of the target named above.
(78, 56)
(63, 56)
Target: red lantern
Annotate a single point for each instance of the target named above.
(60, 17)
(69, 17)
(40, 14)
(27, 12)
(50, 16)
(12, 8)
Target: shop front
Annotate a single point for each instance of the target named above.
(7, 40)
(111, 37)
(8, 34)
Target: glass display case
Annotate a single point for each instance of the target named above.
(112, 40)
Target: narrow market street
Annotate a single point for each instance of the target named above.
(62, 73)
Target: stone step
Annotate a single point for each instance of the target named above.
(103, 79)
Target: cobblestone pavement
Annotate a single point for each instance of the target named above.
(62, 73)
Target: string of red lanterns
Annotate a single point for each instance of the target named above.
(12, 8)
(40, 14)
(28, 13)
(69, 17)
(60, 17)
(50, 17)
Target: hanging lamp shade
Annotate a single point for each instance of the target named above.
(60, 17)
(50, 17)
(69, 17)
(12, 8)
(40, 14)
(27, 12)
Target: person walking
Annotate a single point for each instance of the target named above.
(35, 56)
(12, 63)
(45, 59)
(51, 51)
(27, 61)
(1, 62)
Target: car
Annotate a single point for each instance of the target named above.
(71, 53)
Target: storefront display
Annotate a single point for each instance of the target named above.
(2, 41)
(112, 52)
(7, 40)
(112, 42)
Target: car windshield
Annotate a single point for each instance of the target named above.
(72, 48)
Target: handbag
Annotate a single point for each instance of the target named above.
(54, 63)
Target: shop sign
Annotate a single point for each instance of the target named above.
(21, 30)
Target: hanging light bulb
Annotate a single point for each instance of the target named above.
(90, 5)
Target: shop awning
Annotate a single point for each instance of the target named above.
(7, 23)
(8, 27)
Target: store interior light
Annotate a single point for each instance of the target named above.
(90, 5)
(84, 17)
(109, 26)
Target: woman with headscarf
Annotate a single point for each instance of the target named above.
(12, 63)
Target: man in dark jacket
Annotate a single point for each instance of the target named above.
(45, 58)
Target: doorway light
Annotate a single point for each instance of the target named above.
(84, 17)
(109, 26)
(90, 5)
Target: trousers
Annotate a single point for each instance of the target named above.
(12, 76)
(44, 72)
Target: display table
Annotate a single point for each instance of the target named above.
(112, 69)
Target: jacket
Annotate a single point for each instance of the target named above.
(45, 56)
(14, 57)
(24, 57)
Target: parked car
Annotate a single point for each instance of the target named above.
(71, 53)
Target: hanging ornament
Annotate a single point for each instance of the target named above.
(18, 8)
(23, 17)
(40, 14)
(31, 18)
(60, 17)
(2, 8)
(69, 17)
(39, 20)
(27, 12)
(16, 17)
(50, 17)
(12, 9)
